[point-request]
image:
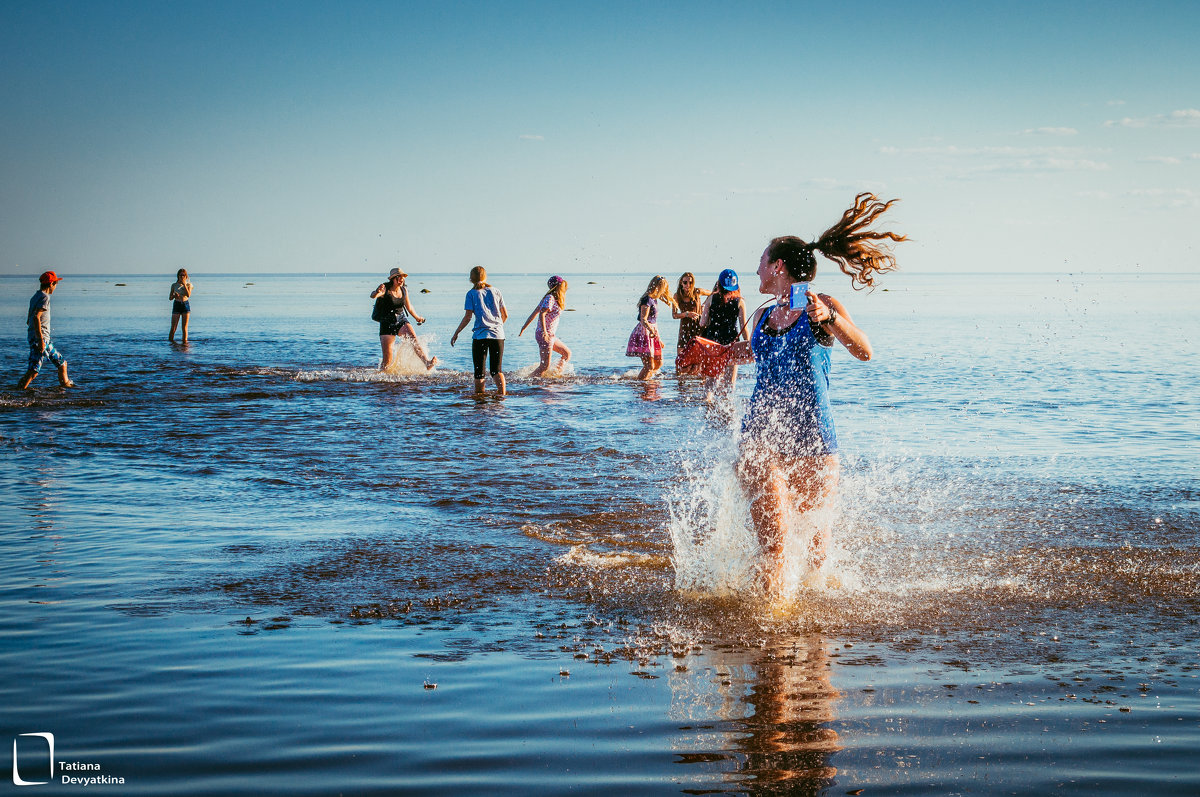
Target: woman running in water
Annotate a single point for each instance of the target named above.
(392, 309)
(788, 463)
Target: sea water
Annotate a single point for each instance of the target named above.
(257, 564)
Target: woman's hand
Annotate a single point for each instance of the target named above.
(819, 312)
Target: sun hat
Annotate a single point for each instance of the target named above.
(49, 278)
(396, 273)
(728, 279)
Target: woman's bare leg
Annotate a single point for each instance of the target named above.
(408, 332)
(388, 343)
(563, 352)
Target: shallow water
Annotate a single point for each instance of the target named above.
(256, 564)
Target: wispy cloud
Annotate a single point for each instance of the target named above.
(973, 161)
(812, 184)
(766, 190)
(531, 137)
(1051, 131)
(1188, 117)
(1167, 197)
(1116, 102)
(1163, 159)
(1154, 198)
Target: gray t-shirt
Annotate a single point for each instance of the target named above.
(486, 305)
(40, 301)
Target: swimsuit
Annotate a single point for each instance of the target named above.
(789, 411)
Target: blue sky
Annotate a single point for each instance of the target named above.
(572, 136)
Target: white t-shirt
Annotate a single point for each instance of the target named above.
(486, 305)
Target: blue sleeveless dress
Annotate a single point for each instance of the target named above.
(789, 410)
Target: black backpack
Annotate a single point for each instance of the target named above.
(382, 312)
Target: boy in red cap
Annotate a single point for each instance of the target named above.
(40, 348)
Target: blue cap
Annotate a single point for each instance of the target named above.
(728, 280)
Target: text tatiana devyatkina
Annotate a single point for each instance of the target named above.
(86, 780)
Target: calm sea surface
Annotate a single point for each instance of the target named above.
(256, 565)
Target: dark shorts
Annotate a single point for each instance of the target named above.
(393, 325)
(181, 308)
(493, 349)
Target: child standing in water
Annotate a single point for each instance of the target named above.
(645, 341)
(788, 460)
(181, 305)
(487, 337)
(547, 313)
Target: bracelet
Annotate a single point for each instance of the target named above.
(833, 316)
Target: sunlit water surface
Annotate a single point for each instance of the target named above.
(256, 564)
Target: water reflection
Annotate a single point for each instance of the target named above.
(759, 720)
(651, 391)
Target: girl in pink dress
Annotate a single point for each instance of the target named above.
(546, 332)
(644, 341)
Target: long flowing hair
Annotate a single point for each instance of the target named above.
(859, 252)
(659, 288)
(559, 292)
(683, 297)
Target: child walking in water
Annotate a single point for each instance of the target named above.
(547, 313)
(788, 460)
(392, 309)
(487, 337)
(644, 341)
